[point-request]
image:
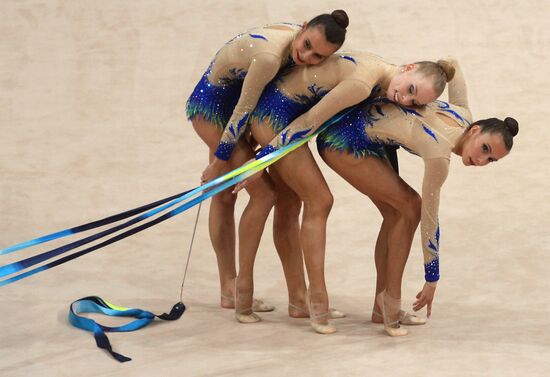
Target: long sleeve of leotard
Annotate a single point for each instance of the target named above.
(261, 71)
(458, 93)
(435, 173)
(347, 93)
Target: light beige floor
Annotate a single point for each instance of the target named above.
(91, 114)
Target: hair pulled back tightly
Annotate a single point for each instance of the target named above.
(334, 26)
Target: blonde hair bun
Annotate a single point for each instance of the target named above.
(447, 68)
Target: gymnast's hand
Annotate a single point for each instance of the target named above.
(425, 297)
(214, 170)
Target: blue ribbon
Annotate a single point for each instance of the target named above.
(23, 264)
(88, 226)
(98, 305)
(217, 185)
(94, 304)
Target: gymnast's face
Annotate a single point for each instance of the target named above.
(311, 47)
(480, 149)
(411, 88)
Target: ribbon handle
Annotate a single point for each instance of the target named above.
(95, 304)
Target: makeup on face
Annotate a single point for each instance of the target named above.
(311, 47)
(481, 149)
(410, 88)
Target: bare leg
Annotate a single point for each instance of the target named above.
(251, 227)
(381, 254)
(286, 236)
(398, 203)
(222, 220)
(380, 261)
(310, 185)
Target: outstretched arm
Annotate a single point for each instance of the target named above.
(435, 173)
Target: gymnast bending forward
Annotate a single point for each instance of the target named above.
(295, 104)
(353, 148)
(219, 108)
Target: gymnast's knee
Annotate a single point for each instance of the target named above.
(265, 197)
(287, 207)
(321, 203)
(413, 207)
(225, 198)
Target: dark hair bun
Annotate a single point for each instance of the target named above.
(511, 125)
(341, 18)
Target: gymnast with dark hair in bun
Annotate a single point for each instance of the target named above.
(354, 148)
(295, 104)
(219, 108)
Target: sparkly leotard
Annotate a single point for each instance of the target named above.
(232, 84)
(300, 99)
(430, 132)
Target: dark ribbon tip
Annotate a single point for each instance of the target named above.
(175, 313)
(120, 358)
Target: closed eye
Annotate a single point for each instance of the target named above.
(412, 91)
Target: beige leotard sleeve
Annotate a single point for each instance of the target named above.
(436, 157)
(432, 133)
(258, 54)
(349, 79)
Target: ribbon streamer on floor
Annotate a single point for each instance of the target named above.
(143, 318)
(98, 305)
(94, 304)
